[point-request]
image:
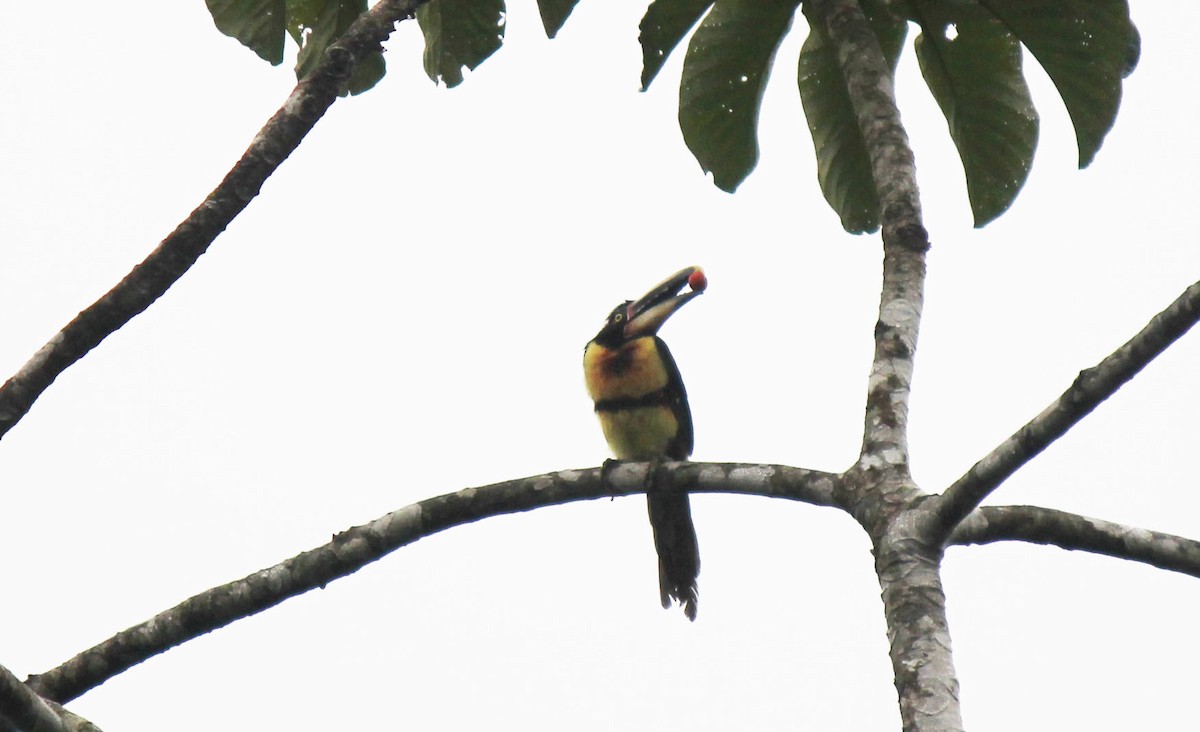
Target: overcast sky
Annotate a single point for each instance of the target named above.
(402, 313)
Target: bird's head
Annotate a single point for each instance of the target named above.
(644, 316)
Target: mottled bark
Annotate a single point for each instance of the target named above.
(21, 710)
(893, 169)
(914, 604)
(353, 549)
(1065, 530)
(878, 490)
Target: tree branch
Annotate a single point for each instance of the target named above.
(879, 488)
(893, 169)
(21, 710)
(1071, 531)
(914, 604)
(1092, 386)
(311, 97)
(355, 548)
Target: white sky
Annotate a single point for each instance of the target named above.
(402, 313)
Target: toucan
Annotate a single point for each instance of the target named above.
(643, 410)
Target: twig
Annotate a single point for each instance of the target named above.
(1092, 387)
(354, 548)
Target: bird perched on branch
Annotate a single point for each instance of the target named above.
(644, 413)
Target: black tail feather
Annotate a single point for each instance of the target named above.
(678, 550)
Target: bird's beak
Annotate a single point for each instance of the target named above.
(647, 314)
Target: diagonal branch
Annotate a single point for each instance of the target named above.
(355, 548)
(1093, 386)
(282, 134)
(1038, 525)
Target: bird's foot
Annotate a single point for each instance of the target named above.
(606, 476)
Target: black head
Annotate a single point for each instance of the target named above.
(613, 332)
(644, 316)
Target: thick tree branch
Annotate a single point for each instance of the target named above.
(885, 433)
(1038, 525)
(355, 548)
(1092, 386)
(914, 604)
(872, 93)
(182, 247)
(878, 491)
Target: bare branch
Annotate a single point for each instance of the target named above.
(879, 489)
(914, 604)
(182, 247)
(1092, 386)
(885, 432)
(1038, 525)
(355, 548)
(872, 93)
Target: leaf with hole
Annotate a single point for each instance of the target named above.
(724, 74)
(972, 65)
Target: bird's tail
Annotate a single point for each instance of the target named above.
(678, 551)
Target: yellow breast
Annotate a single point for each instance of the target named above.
(633, 370)
(642, 433)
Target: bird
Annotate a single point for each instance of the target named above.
(643, 410)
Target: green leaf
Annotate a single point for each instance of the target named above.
(665, 24)
(459, 33)
(1086, 47)
(317, 24)
(303, 15)
(367, 74)
(724, 74)
(843, 163)
(554, 13)
(973, 68)
(257, 24)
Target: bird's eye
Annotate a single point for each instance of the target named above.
(618, 317)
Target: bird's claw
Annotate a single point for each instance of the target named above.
(606, 476)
